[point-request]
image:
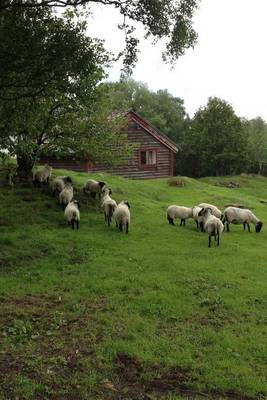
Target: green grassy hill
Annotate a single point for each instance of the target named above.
(155, 314)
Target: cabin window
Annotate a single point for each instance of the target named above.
(148, 158)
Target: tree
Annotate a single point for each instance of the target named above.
(170, 20)
(217, 140)
(257, 138)
(50, 104)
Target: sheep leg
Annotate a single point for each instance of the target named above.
(77, 224)
(244, 225)
(209, 240)
(227, 227)
(201, 226)
(109, 219)
(72, 223)
(248, 227)
(182, 222)
(127, 227)
(120, 226)
(170, 220)
(197, 225)
(218, 240)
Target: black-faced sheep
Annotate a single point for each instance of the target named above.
(42, 175)
(234, 215)
(122, 216)
(197, 218)
(93, 187)
(214, 210)
(108, 204)
(212, 225)
(72, 214)
(58, 184)
(66, 195)
(181, 212)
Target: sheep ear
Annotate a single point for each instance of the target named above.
(101, 184)
(126, 202)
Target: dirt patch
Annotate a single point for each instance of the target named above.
(131, 380)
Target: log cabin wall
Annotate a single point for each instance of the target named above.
(146, 140)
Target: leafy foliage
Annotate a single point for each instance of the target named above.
(256, 130)
(50, 105)
(216, 141)
(162, 19)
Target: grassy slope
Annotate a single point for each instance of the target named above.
(98, 314)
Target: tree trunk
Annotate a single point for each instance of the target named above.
(260, 168)
(24, 169)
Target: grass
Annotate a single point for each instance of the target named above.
(155, 314)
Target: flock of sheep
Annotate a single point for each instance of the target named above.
(62, 188)
(207, 216)
(211, 220)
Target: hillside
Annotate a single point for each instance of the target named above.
(155, 314)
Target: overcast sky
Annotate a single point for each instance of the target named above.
(229, 60)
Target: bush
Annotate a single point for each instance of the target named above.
(176, 181)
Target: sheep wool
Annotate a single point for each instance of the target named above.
(108, 204)
(42, 175)
(122, 216)
(197, 218)
(58, 184)
(72, 214)
(212, 225)
(214, 210)
(234, 215)
(181, 212)
(66, 195)
(93, 187)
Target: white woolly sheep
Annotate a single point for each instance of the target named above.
(93, 187)
(214, 210)
(212, 225)
(66, 195)
(122, 216)
(108, 204)
(72, 214)
(234, 215)
(42, 175)
(197, 218)
(58, 184)
(179, 212)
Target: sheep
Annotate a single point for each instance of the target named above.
(72, 213)
(122, 216)
(108, 204)
(197, 218)
(66, 195)
(214, 210)
(212, 225)
(234, 215)
(93, 187)
(42, 175)
(179, 212)
(58, 184)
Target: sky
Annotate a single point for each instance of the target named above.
(229, 60)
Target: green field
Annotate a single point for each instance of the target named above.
(155, 314)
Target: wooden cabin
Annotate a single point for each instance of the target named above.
(153, 156)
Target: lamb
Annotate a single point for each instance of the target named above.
(66, 195)
(197, 218)
(58, 184)
(72, 214)
(234, 215)
(42, 175)
(179, 212)
(93, 187)
(214, 210)
(108, 204)
(122, 216)
(212, 225)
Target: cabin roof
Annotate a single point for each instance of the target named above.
(132, 115)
